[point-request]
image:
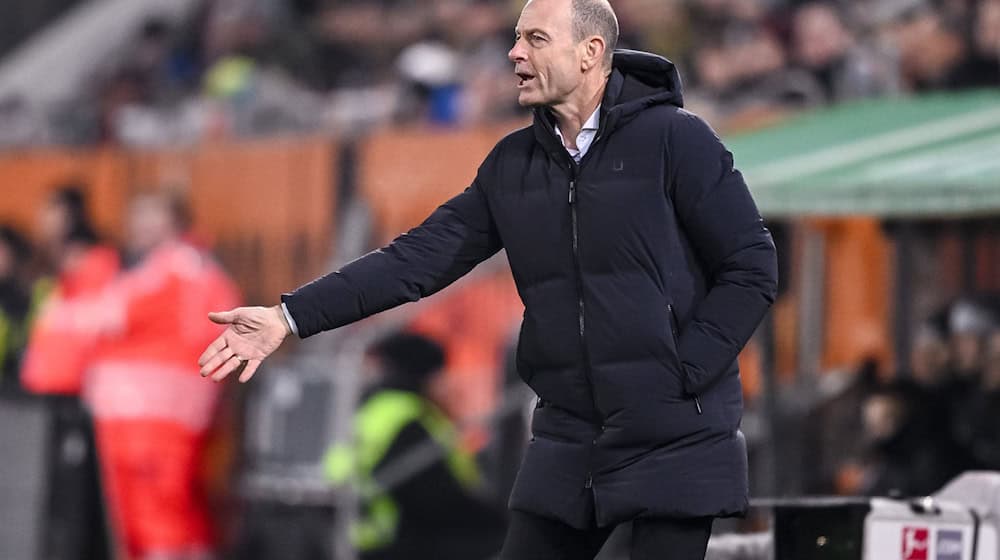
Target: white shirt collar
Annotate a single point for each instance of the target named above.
(586, 136)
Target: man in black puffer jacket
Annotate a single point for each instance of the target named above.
(644, 268)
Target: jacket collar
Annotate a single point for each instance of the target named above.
(544, 123)
(638, 80)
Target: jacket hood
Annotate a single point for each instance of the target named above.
(638, 80)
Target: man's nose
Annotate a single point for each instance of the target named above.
(516, 52)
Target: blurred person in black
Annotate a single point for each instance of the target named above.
(644, 267)
(355, 44)
(747, 70)
(834, 452)
(930, 356)
(979, 32)
(929, 383)
(932, 49)
(920, 427)
(974, 344)
(64, 227)
(936, 389)
(431, 509)
(969, 322)
(902, 460)
(985, 63)
(845, 68)
(979, 427)
(931, 395)
(15, 304)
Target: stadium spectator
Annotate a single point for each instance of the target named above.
(483, 40)
(458, 75)
(931, 49)
(973, 333)
(656, 25)
(969, 322)
(933, 391)
(983, 66)
(59, 352)
(834, 452)
(930, 356)
(432, 512)
(845, 67)
(15, 304)
(748, 70)
(981, 428)
(902, 459)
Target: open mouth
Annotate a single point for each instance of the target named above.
(525, 78)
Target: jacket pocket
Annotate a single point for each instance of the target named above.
(674, 333)
(673, 325)
(523, 370)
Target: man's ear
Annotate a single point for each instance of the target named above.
(593, 52)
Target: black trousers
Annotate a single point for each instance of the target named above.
(536, 538)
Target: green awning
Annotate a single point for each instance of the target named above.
(935, 155)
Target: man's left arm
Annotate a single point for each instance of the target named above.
(724, 227)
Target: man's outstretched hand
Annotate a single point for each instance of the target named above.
(253, 334)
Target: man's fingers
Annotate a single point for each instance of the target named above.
(215, 361)
(248, 371)
(219, 360)
(227, 367)
(223, 317)
(214, 348)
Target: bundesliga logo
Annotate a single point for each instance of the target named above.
(915, 543)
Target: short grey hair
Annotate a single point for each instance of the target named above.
(596, 17)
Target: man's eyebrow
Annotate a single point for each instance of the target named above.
(531, 31)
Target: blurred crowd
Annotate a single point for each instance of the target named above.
(920, 427)
(253, 67)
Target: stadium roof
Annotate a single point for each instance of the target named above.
(929, 156)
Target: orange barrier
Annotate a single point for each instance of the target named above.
(27, 178)
(405, 174)
(858, 305)
(266, 206)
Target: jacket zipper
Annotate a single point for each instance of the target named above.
(580, 303)
(673, 333)
(573, 170)
(579, 286)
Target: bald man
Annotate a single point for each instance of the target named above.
(644, 268)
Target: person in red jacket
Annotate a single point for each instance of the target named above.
(58, 351)
(151, 411)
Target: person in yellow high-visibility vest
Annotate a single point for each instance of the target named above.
(16, 304)
(416, 484)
